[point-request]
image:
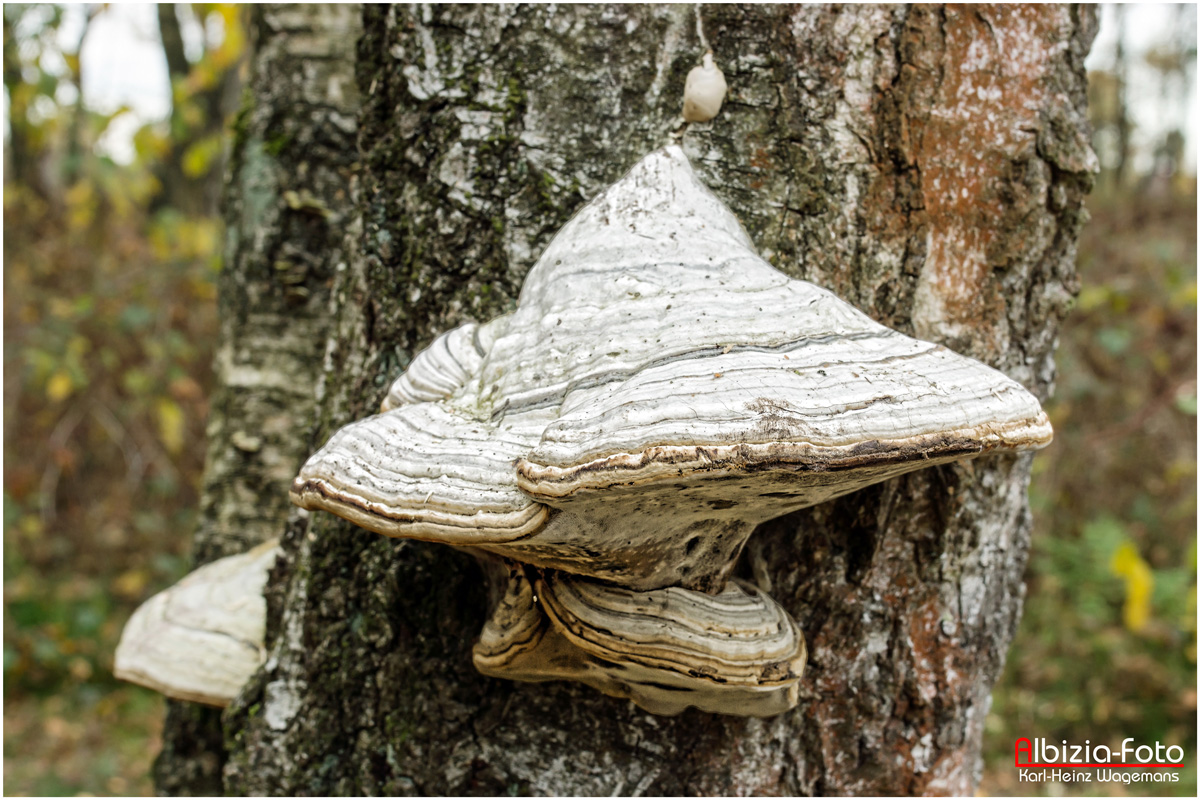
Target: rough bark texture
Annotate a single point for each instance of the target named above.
(926, 163)
(287, 201)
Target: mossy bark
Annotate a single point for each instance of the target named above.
(926, 163)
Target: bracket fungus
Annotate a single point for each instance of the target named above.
(658, 392)
(735, 652)
(202, 638)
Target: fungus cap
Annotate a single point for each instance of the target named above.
(660, 390)
(703, 91)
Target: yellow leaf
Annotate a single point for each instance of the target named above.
(131, 583)
(1184, 297)
(60, 386)
(79, 346)
(82, 204)
(170, 425)
(206, 290)
(61, 307)
(80, 668)
(200, 157)
(1139, 585)
(31, 526)
(1092, 297)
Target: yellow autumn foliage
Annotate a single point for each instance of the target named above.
(171, 425)
(60, 386)
(1127, 564)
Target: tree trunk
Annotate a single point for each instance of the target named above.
(928, 164)
(291, 166)
(1120, 70)
(211, 102)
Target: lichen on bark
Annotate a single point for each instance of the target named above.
(926, 163)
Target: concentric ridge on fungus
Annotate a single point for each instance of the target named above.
(666, 649)
(658, 391)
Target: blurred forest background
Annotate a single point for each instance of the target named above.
(112, 244)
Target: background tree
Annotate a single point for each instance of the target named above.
(204, 91)
(926, 163)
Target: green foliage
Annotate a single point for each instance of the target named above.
(93, 740)
(109, 325)
(1107, 643)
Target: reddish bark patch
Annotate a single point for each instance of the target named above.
(987, 88)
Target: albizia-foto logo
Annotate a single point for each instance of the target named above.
(1040, 760)
(1040, 753)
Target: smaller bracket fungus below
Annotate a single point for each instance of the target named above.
(658, 392)
(202, 638)
(735, 652)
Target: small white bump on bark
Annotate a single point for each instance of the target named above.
(704, 91)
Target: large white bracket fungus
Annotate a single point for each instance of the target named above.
(202, 638)
(658, 392)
